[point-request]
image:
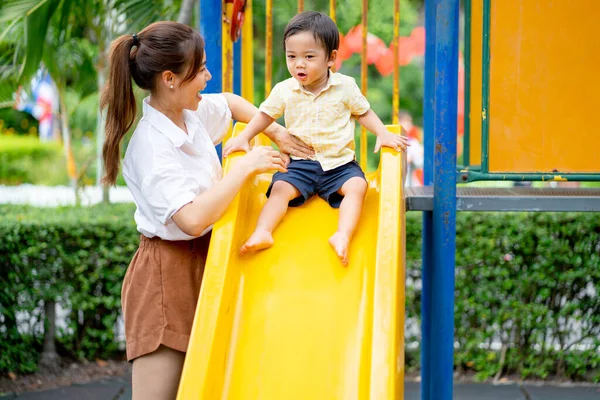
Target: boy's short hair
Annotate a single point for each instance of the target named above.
(322, 27)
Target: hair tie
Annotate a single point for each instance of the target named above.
(136, 41)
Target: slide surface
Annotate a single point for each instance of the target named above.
(292, 322)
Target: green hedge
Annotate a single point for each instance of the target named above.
(523, 280)
(24, 159)
(74, 256)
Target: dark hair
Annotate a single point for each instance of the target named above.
(162, 46)
(322, 27)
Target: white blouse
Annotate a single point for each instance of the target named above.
(165, 168)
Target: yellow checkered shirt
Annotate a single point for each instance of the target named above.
(324, 121)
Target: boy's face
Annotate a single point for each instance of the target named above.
(307, 59)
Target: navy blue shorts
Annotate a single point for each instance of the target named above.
(309, 178)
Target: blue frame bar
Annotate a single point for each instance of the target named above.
(210, 28)
(444, 199)
(237, 66)
(427, 232)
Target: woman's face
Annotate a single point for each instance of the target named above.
(189, 92)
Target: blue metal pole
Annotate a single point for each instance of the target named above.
(237, 66)
(444, 200)
(427, 233)
(210, 27)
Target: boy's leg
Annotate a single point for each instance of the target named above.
(353, 190)
(281, 194)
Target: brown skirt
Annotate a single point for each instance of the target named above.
(160, 292)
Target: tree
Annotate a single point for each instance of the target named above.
(186, 11)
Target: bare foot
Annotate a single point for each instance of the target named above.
(259, 240)
(340, 243)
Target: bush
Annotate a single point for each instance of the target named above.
(74, 256)
(528, 281)
(24, 159)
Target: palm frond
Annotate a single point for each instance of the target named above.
(36, 28)
(141, 13)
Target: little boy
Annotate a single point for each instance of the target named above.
(320, 107)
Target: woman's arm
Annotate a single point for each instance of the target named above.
(242, 110)
(210, 205)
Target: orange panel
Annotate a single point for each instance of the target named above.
(475, 90)
(544, 86)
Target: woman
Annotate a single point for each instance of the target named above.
(174, 174)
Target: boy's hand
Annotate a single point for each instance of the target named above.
(236, 144)
(388, 139)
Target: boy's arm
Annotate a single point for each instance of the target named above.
(257, 124)
(244, 111)
(242, 142)
(385, 138)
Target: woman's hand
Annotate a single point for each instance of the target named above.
(290, 144)
(236, 144)
(263, 159)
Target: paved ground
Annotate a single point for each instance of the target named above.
(119, 388)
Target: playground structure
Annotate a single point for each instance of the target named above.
(290, 322)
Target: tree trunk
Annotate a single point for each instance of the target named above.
(49, 361)
(186, 11)
(66, 136)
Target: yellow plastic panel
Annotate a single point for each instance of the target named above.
(544, 86)
(291, 322)
(475, 75)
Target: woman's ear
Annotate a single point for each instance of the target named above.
(168, 79)
(332, 58)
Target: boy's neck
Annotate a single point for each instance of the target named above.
(317, 87)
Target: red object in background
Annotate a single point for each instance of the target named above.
(378, 53)
(385, 64)
(375, 48)
(418, 39)
(344, 51)
(405, 50)
(460, 124)
(352, 43)
(237, 19)
(353, 40)
(382, 56)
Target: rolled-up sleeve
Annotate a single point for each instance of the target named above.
(357, 103)
(168, 188)
(215, 115)
(274, 105)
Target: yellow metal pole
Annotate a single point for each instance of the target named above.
(332, 16)
(227, 50)
(332, 10)
(248, 55)
(300, 6)
(363, 81)
(395, 48)
(269, 48)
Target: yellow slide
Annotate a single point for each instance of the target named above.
(291, 322)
